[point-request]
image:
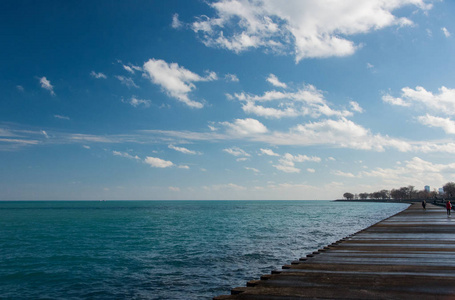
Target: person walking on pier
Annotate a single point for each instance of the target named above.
(424, 204)
(449, 207)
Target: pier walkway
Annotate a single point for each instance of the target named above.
(408, 256)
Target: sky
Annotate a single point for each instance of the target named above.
(225, 99)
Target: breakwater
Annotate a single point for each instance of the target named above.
(408, 256)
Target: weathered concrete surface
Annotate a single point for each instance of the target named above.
(408, 256)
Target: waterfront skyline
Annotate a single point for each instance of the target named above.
(224, 99)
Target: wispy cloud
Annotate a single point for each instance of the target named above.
(306, 101)
(252, 169)
(176, 23)
(129, 69)
(269, 152)
(175, 80)
(340, 133)
(228, 186)
(342, 174)
(137, 102)
(183, 150)
(46, 84)
(276, 82)
(44, 133)
(395, 101)
(231, 77)
(287, 162)
(125, 155)
(156, 162)
(236, 151)
(61, 117)
(128, 81)
(446, 32)
(415, 170)
(356, 107)
(98, 75)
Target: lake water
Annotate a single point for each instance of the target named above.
(162, 249)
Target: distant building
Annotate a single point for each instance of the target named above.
(441, 191)
(427, 188)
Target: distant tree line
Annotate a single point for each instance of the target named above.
(407, 192)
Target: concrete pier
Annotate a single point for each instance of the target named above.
(408, 256)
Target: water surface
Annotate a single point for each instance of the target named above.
(163, 249)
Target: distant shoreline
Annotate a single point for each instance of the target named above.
(438, 202)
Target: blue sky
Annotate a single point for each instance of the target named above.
(224, 99)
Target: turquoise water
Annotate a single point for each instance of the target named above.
(162, 249)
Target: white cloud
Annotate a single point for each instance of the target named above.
(301, 158)
(430, 147)
(395, 101)
(43, 132)
(269, 152)
(253, 169)
(309, 170)
(446, 32)
(20, 88)
(443, 102)
(305, 101)
(236, 151)
(307, 29)
(136, 68)
(98, 75)
(183, 150)
(340, 133)
(445, 123)
(136, 102)
(176, 23)
(175, 80)
(61, 117)
(287, 168)
(184, 167)
(229, 186)
(245, 127)
(415, 171)
(287, 162)
(275, 81)
(46, 84)
(158, 162)
(79, 137)
(370, 66)
(231, 77)
(343, 174)
(129, 69)
(86, 147)
(19, 142)
(269, 112)
(125, 154)
(356, 107)
(128, 81)
(174, 189)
